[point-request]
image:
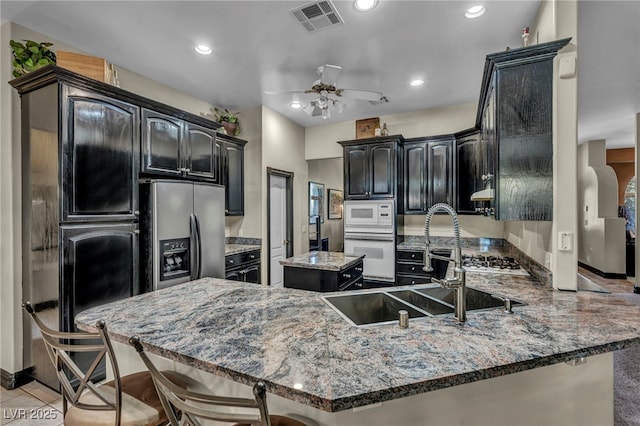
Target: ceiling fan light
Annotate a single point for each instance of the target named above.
(309, 108)
(475, 11)
(340, 106)
(364, 5)
(325, 113)
(203, 49)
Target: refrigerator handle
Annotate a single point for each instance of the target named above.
(195, 246)
(198, 248)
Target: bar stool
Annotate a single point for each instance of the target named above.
(185, 406)
(127, 400)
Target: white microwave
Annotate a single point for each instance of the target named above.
(376, 216)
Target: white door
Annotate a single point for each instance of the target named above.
(278, 227)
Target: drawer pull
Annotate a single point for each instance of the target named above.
(359, 269)
(413, 268)
(252, 257)
(230, 260)
(413, 256)
(346, 275)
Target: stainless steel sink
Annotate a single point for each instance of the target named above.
(381, 307)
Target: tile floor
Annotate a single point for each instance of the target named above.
(32, 404)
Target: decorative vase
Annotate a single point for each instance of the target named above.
(230, 128)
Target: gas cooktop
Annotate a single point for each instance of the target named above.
(492, 264)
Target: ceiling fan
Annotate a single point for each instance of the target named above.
(328, 93)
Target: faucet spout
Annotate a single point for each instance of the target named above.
(458, 282)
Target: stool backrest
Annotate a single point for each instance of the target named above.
(184, 406)
(61, 345)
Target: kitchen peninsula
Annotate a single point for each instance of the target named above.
(323, 271)
(318, 366)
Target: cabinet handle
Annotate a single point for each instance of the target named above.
(252, 256)
(413, 281)
(226, 210)
(136, 212)
(413, 268)
(347, 276)
(413, 256)
(359, 269)
(187, 170)
(137, 231)
(230, 261)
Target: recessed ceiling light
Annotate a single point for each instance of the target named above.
(475, 11)
(295, 105)
(365, 5)
(416, 82)
(203, 49)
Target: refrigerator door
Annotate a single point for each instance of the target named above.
(172, 206)
(208, 208)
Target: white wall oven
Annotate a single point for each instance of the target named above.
(369, 229)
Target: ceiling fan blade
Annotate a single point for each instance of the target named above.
(360, 94)
(329, 74)
(279, 92)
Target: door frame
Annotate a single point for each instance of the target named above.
(289, 219)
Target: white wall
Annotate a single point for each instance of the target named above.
(283, 149)
(320, 141)
(601, 232)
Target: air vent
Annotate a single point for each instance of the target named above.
(317, 15)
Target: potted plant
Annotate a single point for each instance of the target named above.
(229, 120)
(30, 56)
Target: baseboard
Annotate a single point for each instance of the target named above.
(15, 380)
(609, 275)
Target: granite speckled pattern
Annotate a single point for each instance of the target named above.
(283, 336)
(230, 249)
(325, 260)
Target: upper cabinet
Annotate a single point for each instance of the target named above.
(515, 118)
(230, 151)
(471, 167)
(371, 167)
(100, 151)
(428, 173)
(174, 147)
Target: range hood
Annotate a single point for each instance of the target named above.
(484, 195)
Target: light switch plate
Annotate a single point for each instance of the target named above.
(565, 241)
(567, 68)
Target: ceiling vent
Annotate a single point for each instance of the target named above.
(317, 15)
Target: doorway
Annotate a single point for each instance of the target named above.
(279, 222)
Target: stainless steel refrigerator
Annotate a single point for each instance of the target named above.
(181, 232)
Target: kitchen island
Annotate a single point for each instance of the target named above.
(437, 371)
(323, 271)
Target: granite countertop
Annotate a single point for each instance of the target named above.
(325, 260)
(230, 249)
(284, 336)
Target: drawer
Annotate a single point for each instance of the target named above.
(412, 279)
(357, 284)
(350, 273)
(237, 259)
(411, 268)
(412, 256)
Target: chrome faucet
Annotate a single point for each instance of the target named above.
(458, 282)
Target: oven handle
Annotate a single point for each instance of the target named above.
(361, 237)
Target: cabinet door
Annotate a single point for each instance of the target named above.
(199, 150)
(469, 171)
(161, 142)
(101, 149)
(356, 178)
(440, 173)
(252, 274)
(382, 168)
(415, 163)
(233, 172)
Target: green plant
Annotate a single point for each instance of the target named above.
(226, 116)
(30, 56)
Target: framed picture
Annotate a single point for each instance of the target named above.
(335, 199)
(316, 201)
(366, 128)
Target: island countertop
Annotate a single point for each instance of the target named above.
(290, 337)
(325, 260)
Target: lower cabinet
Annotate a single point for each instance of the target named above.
(349, 278)
(409, 264)
(243, 267)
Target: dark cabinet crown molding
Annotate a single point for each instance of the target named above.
(514, 57)
(231, 139)
(54, 74)
(377, 139)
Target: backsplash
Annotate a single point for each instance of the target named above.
(243, 240)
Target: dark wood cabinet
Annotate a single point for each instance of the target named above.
(323, 280)
(471, 166)
(409, 264)
(230, 151)
(100, 151)
(515, 118)
(371, 167)
(174, 147)
(428, 173)
(243, 266)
